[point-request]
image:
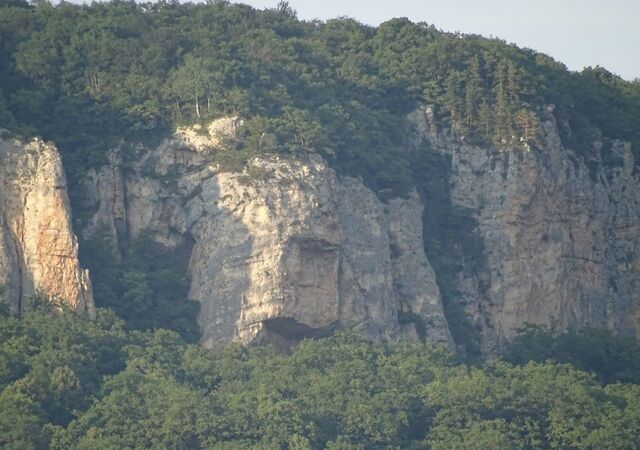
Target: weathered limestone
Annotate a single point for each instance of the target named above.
(281, 251)
(561, 235)
(414, 280)
(220, 134)
(285, 249)
(38, 250)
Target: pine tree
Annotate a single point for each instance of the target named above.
(512, 77)
(472, 93)
(528, 124)
(485, 120)
(285, 9)
(452, 100)
(504, 117)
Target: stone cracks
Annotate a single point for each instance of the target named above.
(282, 250)
(38, 250)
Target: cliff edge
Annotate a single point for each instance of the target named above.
(557, 233)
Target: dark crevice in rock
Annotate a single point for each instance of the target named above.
(293, 330)
(451, 244)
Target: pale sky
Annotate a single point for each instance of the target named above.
(578, 33)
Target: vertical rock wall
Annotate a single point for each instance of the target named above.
(560, 233)
(282, 250)
(38, 250)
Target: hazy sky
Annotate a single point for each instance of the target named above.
(577, 32)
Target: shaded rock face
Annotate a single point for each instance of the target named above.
(414, 279)
(38, 250)
(281, 251)
(560, 235)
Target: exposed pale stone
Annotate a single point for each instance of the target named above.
(38, 250)
(366, 278)
(283, 250)
(219, 134)
(266, 250)
(415, 284)
(109, 186)
(561, 239)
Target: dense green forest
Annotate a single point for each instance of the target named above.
(93, 77)
(71, 383)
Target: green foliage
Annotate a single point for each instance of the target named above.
(613, 358)
(21, 422)
(535, 406)
(147, 286)
(92, 384)
(87, 77)
(138, 411)
(52, 363)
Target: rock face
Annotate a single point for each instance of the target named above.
(280, 251)
(561, 236)
(414, 280)
(220, 134)
(38, 250)
(285, 249)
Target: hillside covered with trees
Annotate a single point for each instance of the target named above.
(117, 73)
(71, 383)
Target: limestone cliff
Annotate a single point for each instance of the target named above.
(283, 250)
(560, 235)
(286, 249)
(38, 250)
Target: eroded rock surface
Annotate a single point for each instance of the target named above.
(560, 235)
(38, 250)
(280, 251)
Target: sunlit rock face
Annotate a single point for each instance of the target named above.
(281, 251)
(284, 249)
(559, 232)
(38, 250)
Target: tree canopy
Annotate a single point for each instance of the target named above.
(89, 76)
(71, 383)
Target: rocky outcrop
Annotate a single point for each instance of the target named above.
(560, 234)
(221, 134)
(415, 284)
(281, 251)
(38, 250)
(285, 249)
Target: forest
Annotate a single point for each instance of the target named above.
(71, 383)
(108, 75)
(122, 72)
